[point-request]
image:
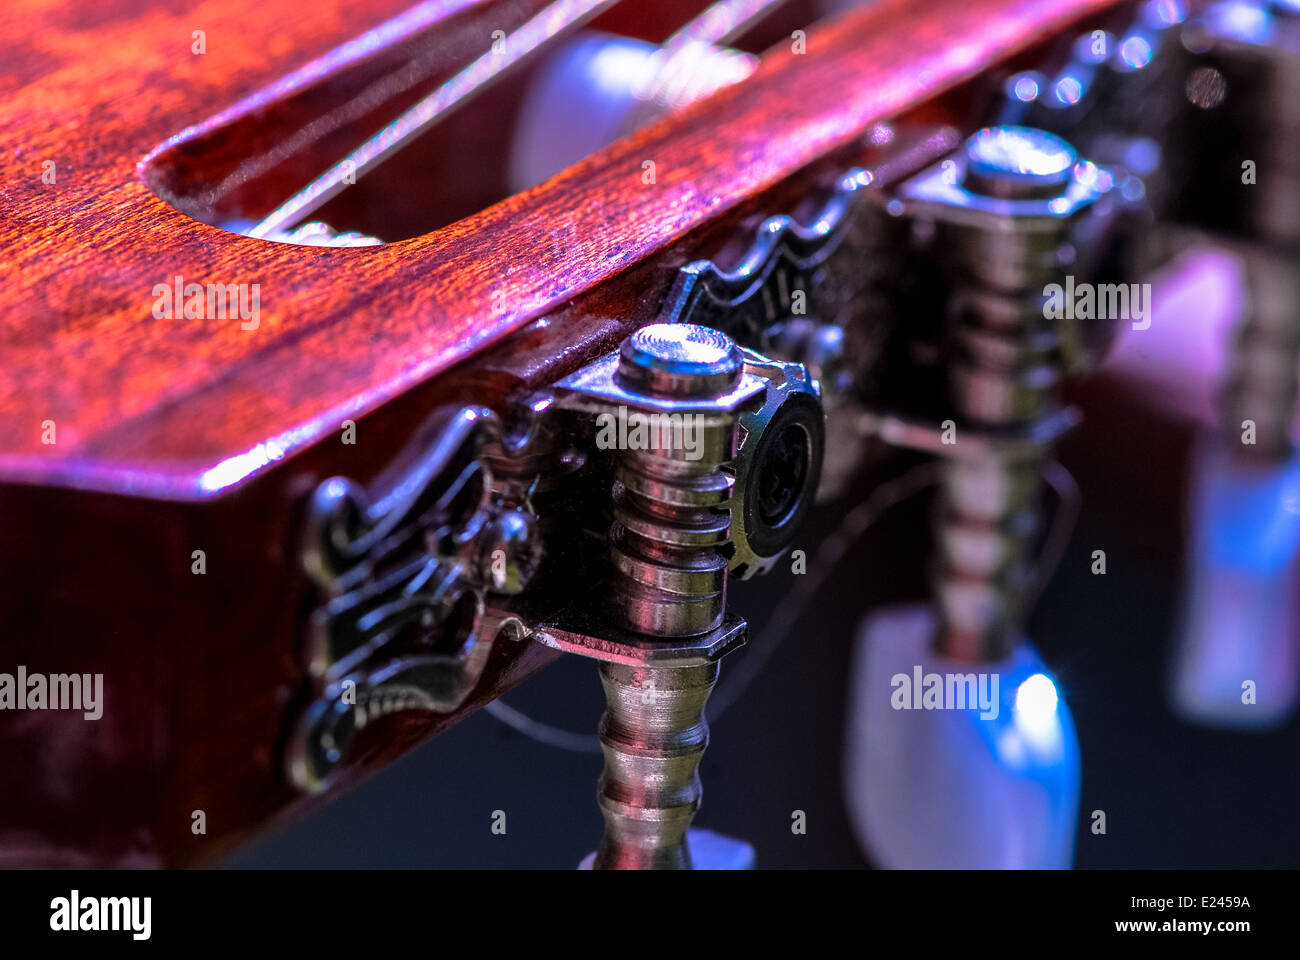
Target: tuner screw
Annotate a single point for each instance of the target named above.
(1003, 226)
(507, 550)
(1018, 163)
(680, 361)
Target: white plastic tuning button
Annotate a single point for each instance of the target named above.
(599, 87)
(1238, 660)
(955, 764)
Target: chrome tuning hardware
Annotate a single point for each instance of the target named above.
(777, 468)
(1245, 117)
(676, 396)
(1008, 218)
(715, 453)
(681, 387)
(1114, 95)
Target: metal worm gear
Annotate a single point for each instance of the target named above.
(777, 466)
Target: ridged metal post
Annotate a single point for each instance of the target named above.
(653, 734)
(670, 581)
(1006, 372)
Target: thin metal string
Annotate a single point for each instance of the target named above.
(827, 559)
(555, 18)
(716, 24)
(833, 548)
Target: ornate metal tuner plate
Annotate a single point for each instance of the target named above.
(777, 280)
(406, 573)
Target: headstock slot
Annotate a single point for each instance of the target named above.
(234, 168)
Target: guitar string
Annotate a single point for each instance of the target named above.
(373, 96)
(856, 524)
(552, 20)
(718, 23)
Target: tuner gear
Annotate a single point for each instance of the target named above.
(777, 467)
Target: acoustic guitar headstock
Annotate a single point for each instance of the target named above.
(365, 358)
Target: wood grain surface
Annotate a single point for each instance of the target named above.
(152, 407)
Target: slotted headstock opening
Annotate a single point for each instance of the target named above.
(455, 105)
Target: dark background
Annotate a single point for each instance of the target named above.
(1175, 795)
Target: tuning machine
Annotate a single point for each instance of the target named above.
(717, 452)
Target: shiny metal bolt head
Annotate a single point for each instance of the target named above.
(680, 360)
(1018, 163)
